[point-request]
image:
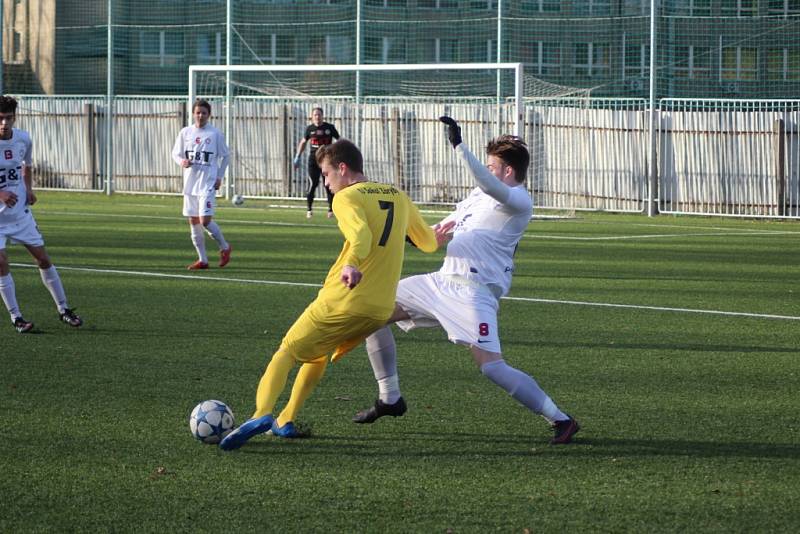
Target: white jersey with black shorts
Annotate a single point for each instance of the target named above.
(463, 296)
(16, 222)
(208, 153)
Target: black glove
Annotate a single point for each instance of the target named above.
(453, 130)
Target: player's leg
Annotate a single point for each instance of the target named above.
(191, 210)
(525, 390)
(9, 294)
(273, 381)
(52, 281)
(314, 173)
(413, 295)
(320, 332)
(208, 205)
(308, 377)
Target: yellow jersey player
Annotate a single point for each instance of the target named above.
(358, 294)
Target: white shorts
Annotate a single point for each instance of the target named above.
(200, 205)
(466, 310)
(23, 231)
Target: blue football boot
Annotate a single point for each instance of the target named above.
(287, 431)
(248, 429)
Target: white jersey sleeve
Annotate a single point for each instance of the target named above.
(223, 154)
(178, 154)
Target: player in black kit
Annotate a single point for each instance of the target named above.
(320, 133)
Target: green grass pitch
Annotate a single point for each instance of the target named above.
(690, 418)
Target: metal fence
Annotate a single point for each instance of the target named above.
(736, 158)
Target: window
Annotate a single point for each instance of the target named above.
(439, 50)
(16, 47)
(636, 7)
(738, 8)
(541, 6)
(636, 60)
(384, 50)
(591, 59)
(437, 4)
(161, 49)
(387, 3)
(692, 8)
(592, 8)
(504, 53)
(273, 49)
(543, 58)
(490, 5)
(339, 49)
(476, 51)
(692, 62)
(738, 63)
(784, 7)
(783, 64)
(211, 49)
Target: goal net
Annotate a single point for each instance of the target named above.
(390, 111)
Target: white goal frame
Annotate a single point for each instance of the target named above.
(517, 68)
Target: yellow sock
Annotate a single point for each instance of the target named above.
(272, 382)
(308, 377)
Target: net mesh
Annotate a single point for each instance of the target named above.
(721, 49)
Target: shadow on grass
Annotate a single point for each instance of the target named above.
(422, 444)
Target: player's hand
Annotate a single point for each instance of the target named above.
(350, 276)
(8, 198)
(444, 232)
(453, 130)
(31, 198)
(296, 162)
(217, 184)
(186, 163)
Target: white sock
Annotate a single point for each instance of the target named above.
(199, 242)
(383, 359)
(53, 283)
(8, 292)
(524, 389)
(389, 389)
(215, 232)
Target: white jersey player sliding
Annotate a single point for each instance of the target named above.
(463, 296)
(16, 220)
(201, 151)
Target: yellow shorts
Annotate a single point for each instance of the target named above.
(320, 331)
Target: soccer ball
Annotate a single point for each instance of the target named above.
(237, 200)
(211, 421)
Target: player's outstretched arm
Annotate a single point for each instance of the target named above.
(421, 235)
(486, 180)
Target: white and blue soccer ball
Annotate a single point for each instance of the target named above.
(237, 200)
(211, 421)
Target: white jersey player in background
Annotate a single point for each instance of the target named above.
(463, 296)
(16, 220)
(201, 151)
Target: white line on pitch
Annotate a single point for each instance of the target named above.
(182, 276)
(521, 299)
(527, 235)
(654, 236)
(656, 308)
